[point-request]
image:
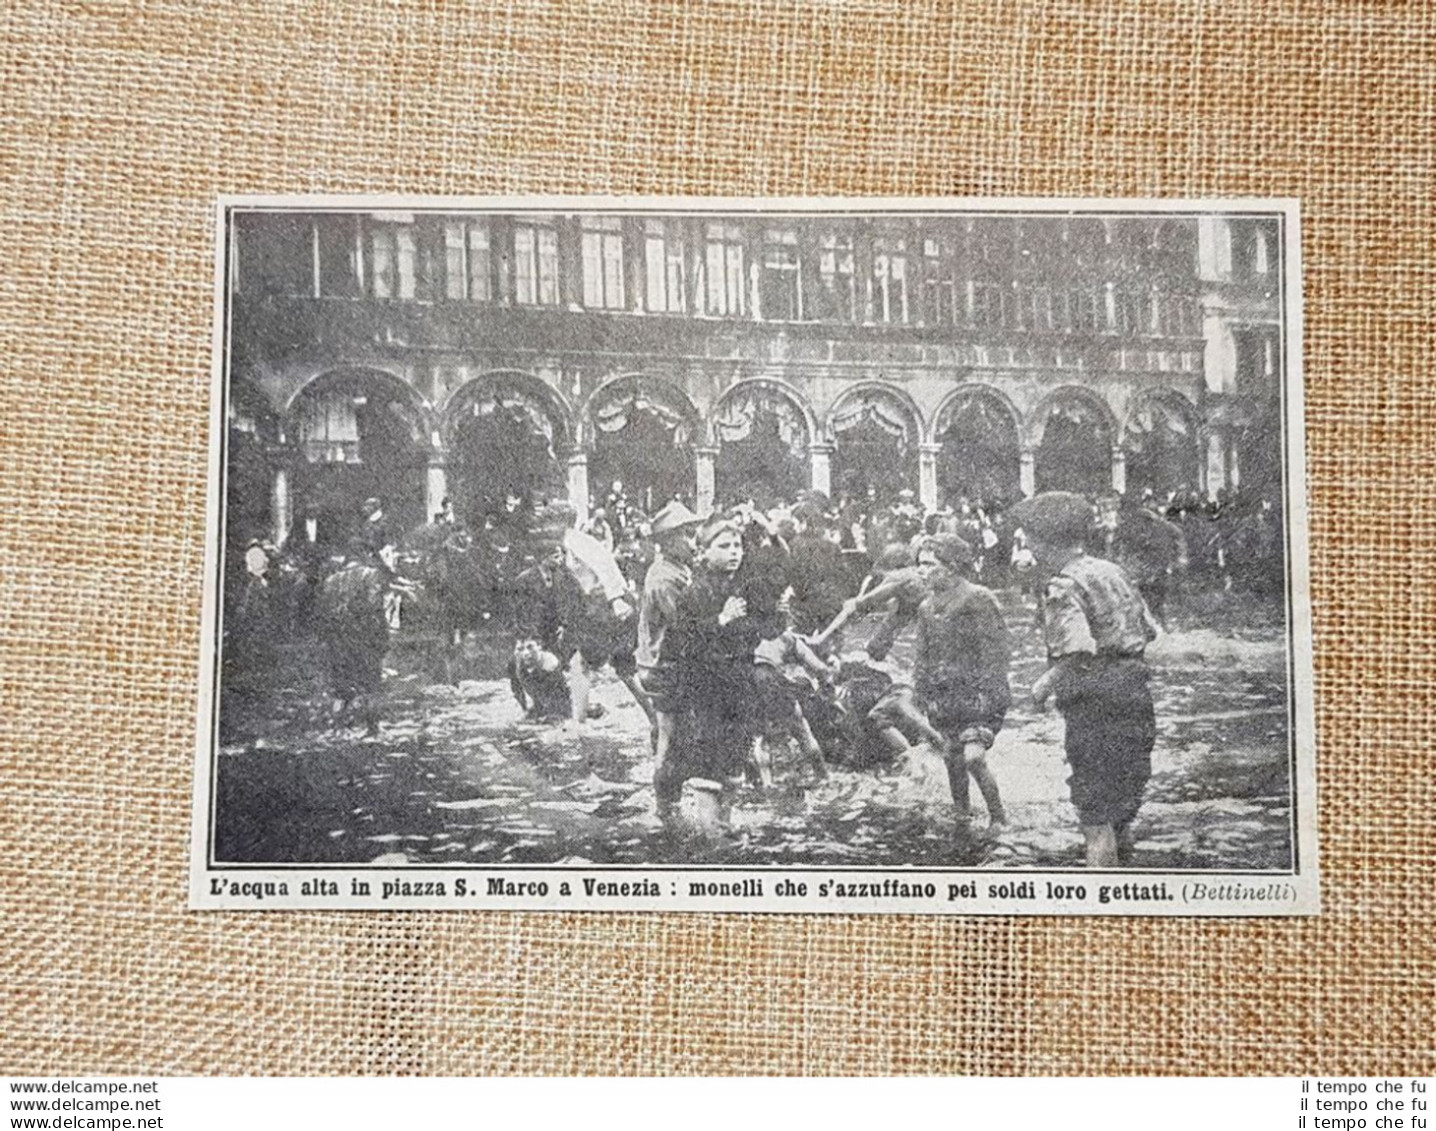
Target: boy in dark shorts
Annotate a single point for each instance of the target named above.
(963, 653)
(878, 713)
(1097, 628)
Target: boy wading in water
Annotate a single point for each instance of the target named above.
(1097, 628)
(667, 579)
(708, 652)
(963, 653)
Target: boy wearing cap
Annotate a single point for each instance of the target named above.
(963, 653)
(1097, 628)
(667, 578)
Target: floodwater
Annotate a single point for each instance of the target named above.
(457, 776)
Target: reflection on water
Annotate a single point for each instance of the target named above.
(457, 776)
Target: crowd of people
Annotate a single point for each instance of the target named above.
(729, 629)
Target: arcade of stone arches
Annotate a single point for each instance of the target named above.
(509, 438)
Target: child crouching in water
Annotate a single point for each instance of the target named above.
(963, 653)
(1097, 628)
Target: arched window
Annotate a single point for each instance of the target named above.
(763, 438)
(505, 436)
(1161, 442)
(1075, 449)
(641, 433)
(980, 458)
(360, 435)
(875, 432)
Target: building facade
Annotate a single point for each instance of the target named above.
(417, 356)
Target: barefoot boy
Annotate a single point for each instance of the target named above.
(963, 653)
(1096, 628)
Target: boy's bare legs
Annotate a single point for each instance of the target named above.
(957, 780)
(726, 796)
(760, 760)
(1101, 846)
(641, 698)
(908, 712)
(1125, 845)
(809, 742)
(975, 755)
(580, 683)
(667, 784)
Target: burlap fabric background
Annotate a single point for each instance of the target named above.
(120, 124)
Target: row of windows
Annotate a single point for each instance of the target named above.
(706, 267)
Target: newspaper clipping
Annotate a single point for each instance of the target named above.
(920, 557)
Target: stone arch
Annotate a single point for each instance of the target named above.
(864, 397)
(506, 435)
(761, 389)
(364, 379)
(1069, 394)
(1162, 438)
(978, 431)
(1072, 434)
(763, 429)
(964, 394)
(357, 433)
(640, 430)
(249, 410)
(876, 430)
(524, 393)
(663, 395)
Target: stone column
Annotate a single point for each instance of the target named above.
(820, 467)
(927, 475)
(1119, 470)
(436, 488)
(1214, 467)
(280, 508)
(704, 463)
(1027, 472)
(578, 483)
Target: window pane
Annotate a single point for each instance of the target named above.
(454, 267)
(382, 264)
(548, 267)
(338, 256)
(717, 292)
(479, 263)
(524, 267)
(407, 254)
(735, 279)
(656, 273)
(613, 271)
(592, 271)
(779, 281)
(677, 292)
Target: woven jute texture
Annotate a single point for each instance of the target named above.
(121, 122)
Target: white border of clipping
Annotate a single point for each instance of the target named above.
(1225, 894)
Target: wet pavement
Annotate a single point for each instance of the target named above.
(457, 776)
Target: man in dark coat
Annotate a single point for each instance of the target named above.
(820, 579)
(354, 627)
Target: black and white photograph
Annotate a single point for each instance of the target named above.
(770, 555)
